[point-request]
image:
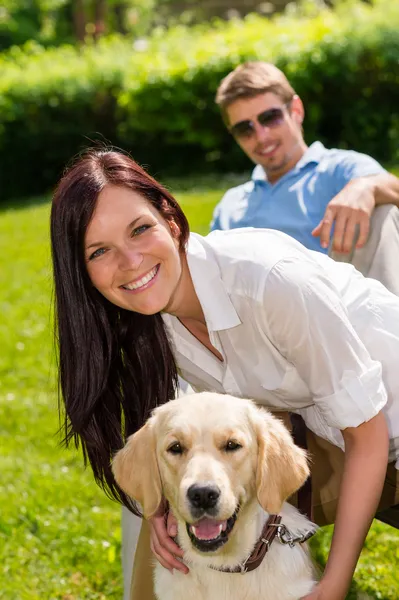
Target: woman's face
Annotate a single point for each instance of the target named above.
(132, 252)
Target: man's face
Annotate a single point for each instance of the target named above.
(278, 145)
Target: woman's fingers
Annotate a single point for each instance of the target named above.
(171, 524)
(162, 545)
(159, 528)
(167, 560)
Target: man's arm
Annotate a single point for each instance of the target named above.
(351, 209)
(386, 188)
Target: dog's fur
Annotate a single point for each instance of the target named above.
(256, 478)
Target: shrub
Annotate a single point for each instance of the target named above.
(51, 103)
(159, 103)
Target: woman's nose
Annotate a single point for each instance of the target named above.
(129, 259)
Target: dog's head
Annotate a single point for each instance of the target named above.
(210, 455)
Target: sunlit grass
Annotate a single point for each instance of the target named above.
(59, 535)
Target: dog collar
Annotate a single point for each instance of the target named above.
(272, 528)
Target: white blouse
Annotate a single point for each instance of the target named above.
(297, 331)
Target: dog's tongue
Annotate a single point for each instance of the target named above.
(208, 529)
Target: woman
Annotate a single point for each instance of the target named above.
(247, 312)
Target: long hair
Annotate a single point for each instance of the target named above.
(114, 365)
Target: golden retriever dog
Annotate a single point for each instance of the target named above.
(224, 466)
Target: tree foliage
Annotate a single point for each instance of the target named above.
(158, 100)
(53, 22)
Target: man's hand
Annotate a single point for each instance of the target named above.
(348, 211)
(163, 526)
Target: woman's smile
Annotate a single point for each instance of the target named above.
(144, 282)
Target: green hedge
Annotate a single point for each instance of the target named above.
(159, 103)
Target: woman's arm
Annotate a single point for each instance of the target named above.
(308, 322)
(366, 457)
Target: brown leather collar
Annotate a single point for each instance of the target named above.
(253, 561)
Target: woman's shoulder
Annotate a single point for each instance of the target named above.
(245, 257)
(258, 247)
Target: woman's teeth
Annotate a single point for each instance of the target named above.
(143, 281)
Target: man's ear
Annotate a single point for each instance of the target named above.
(135, 469)
(282, 466)
(297, 110)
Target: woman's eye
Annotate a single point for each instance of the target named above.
(232, 446)
(97, 253)
(140, 229)
(175, 448)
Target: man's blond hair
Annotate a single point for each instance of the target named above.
(251, 79)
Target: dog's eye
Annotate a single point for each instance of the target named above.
(232, 446)
(175, 448)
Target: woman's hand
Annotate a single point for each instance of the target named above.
(163, 526)
(321, 592)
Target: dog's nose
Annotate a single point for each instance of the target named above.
(203, 496)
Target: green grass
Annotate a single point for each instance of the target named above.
(59, 535)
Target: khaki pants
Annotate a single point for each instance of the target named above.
(328, 461)
(378, 258)
(327, 467)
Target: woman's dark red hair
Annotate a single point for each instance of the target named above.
(114, 365)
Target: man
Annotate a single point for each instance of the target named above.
(323, 198)
(333, 201)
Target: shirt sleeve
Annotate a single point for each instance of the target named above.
(215, 223)
(354, 164)
(309, 325)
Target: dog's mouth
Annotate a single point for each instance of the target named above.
(208, 535)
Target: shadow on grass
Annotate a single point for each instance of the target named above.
(15, 204)
(204, 182)
(189, 183)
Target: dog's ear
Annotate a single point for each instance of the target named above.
(135, 469)
(282, 466)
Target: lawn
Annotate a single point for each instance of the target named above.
(59, 535)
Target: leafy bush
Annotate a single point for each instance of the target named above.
(159, 102)
(52, 102)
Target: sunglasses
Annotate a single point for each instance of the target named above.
(273, 117)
